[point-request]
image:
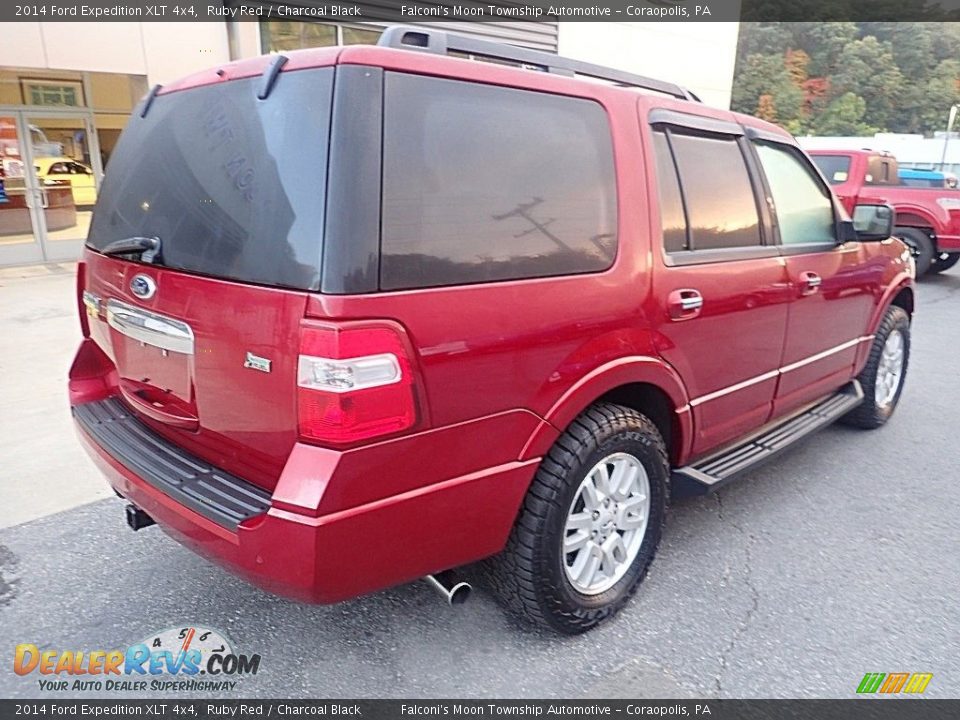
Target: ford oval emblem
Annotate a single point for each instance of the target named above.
(143, 286)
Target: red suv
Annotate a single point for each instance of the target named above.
(361, 315)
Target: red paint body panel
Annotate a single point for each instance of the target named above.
(937, 209)
(500, 369)
(247, 419)
(342, 555)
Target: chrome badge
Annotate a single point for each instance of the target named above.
(143, 286)
(255, 362)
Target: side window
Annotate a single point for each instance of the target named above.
(721, 208)
(804, 208)
(58, 169)
(482, 183)
(673, 222)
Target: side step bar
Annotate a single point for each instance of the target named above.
(714, 471)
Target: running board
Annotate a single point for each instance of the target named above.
(715, 470)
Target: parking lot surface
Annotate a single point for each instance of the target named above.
(839, 558)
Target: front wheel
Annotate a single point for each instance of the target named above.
(590, 523)
(883, 376)
(921, 246)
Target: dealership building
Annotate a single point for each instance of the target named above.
(67, 89)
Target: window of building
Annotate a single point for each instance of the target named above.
(295, 35)
(721, 209)
(53, 94)
(803, 204)
(465, 201)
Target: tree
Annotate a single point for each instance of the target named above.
(767, 75)
(940, 92)
(796, 62)
(844, 116)
(766, 109)
(867, 69)
(814, 75)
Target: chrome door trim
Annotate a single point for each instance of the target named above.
(150, 328)
(780, 371)
(734, 388)
(819, 356)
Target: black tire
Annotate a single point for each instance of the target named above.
(870, 414)
(920, 244)
(944, 261)
(528, 577)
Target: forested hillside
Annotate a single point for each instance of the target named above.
(845, 78)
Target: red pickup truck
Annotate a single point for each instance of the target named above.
(927, 219)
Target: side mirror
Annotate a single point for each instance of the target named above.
(872, 222)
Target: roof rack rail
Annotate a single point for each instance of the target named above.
(440, 42)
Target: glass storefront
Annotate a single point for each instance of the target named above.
(57, 129)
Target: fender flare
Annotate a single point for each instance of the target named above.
(601, 380)
(901, 281)
(934, 220)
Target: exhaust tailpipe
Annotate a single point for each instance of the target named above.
(137, 519)
(454, 590)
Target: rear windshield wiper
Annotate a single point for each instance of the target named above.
(148, 246)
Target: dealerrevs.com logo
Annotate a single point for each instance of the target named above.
(175, 660)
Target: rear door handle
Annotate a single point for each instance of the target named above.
(684, 304)
(810, 282)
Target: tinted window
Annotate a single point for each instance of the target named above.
(804, 210)
(721, 207)
(58, 169)
(835, 168)
(233, 186)
(672, 220)
(482, 183)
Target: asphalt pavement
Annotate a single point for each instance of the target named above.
(839, 558)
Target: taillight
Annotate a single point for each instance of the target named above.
(353, 383)
(81, 298)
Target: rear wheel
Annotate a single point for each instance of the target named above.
(944, 261)
(920, 245)
(883, 376)
(590, 523)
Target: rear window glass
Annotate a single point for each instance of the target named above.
(482, 183)
(233, 186)
(835, 168)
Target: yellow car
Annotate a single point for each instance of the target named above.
(80, 176)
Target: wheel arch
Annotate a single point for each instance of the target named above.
(904, 298)
(916, 220)
(645, 384)
(900, 294)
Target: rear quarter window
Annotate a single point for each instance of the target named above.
(482, 183)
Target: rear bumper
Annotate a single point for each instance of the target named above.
(329, 557)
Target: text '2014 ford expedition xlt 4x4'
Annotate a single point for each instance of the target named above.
(362, 315)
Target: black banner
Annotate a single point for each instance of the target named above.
(480, 11)
(855, 709)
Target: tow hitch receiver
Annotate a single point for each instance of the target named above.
(137, 519)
